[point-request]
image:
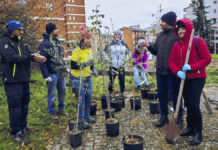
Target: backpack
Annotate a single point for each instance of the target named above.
(195, 38)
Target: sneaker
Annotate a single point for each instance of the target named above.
(19, 138)
(25, 130)
(53, 115)
(90, 119)
(62, 113)
(85, 124)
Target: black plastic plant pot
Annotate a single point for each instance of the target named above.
(72, 123)
(106, 112)
(93, 108)
(133, 144)
(152, 95)
(103, 102)
(112, 127)
(117, 105)
(137, 103)
(122, 99)
(144, 93)
(75, 138)
(154, 107)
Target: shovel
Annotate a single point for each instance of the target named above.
(172, 130)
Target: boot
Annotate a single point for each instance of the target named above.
(197, 139)
(180, 122)
(163, 120)
(187, 132)
(85, 124)
(90, 119)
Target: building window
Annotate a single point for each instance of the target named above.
(72, 9)
(70, 18)
(71, 36)
(74, 18)
(69, 9)
(22, 2)
(69, 1)
(70, 26)
(214, 11)
(49, 6)
(214, 21)
(72, 1)
(74, 27)
(74, 36)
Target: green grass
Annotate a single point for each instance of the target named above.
(214, 56)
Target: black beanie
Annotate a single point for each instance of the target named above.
(179, 25)
(50, 27)
(169, 18)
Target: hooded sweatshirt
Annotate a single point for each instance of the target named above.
(140, 58)
(179, 50)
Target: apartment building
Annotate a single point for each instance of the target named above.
(132, 34)
(68, 15)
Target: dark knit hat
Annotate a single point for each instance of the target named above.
(13, 25)
(179, 25)
(50, 27)
(169, 18)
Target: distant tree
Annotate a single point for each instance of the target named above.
(202, 25)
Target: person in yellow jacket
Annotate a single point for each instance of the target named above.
(82, 66)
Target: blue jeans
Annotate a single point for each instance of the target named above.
(136, 71)
(18, 97)
(85, 93)
(165, 84)
(58, 82)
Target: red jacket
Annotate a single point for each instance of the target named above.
(179, 50)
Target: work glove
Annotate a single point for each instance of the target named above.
(181, 74)
(49, 79)
(186, 67)
(88, 63)
(95, 72)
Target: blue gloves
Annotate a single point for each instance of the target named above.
(181, 75)
(186, 67)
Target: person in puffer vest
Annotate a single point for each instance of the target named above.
(117, 53)
(195, 76)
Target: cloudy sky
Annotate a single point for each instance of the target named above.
(133, 12)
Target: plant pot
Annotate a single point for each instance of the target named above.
(136, 144)
(152, 95)
(122, 99)
(112, 127)
(137, 103)
(117, 105)
(93, 108)
(106, 112)
(154, 107)
(103, 102)
(75, 138)
(72, 123)
(144, 93)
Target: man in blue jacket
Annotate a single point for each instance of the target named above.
(53, 69)
(16, 56)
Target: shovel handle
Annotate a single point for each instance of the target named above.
(183, 80)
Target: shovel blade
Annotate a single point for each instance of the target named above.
(172, 132)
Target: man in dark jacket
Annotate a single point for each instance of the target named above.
(53, 69)
(162, 48)
(16, 57)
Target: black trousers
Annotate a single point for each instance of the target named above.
(192, 93)
(18, 97)
(121, 77)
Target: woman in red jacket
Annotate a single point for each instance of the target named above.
(195, 75)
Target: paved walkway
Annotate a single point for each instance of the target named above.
(95, 138)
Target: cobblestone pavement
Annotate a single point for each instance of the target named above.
(154, 138)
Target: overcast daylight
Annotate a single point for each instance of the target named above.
(133, 12)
